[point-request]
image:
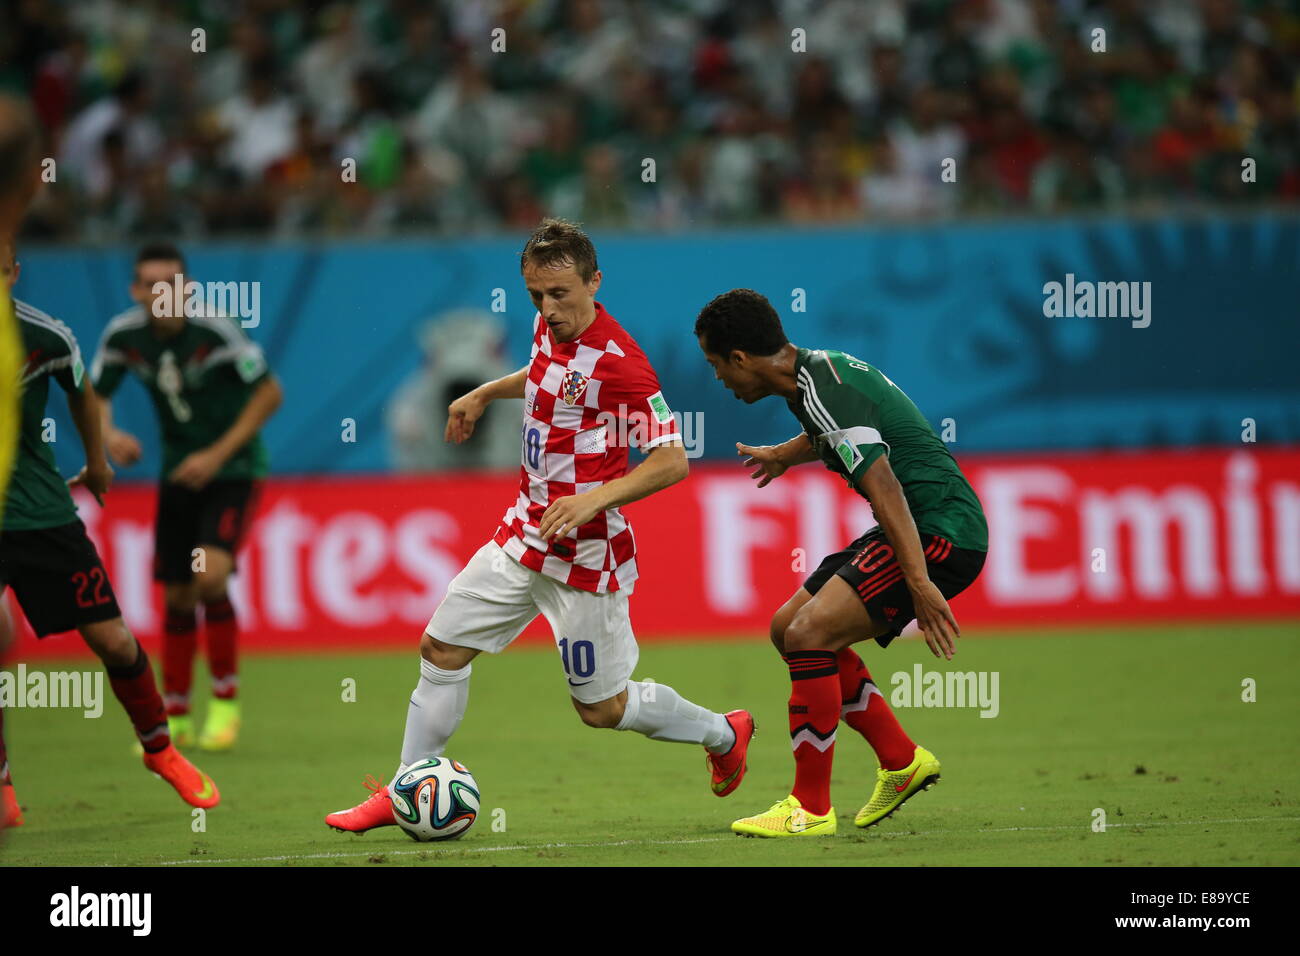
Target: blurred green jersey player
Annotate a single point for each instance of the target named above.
(51, 564)
(212, 391)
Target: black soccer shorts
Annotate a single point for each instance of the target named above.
(58, 578)
(870, 567)
(214, 516)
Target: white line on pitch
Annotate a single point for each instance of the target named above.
(379, 851)
(477, 849)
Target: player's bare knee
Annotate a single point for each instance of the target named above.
(182, 598)
(209, 586)
(777, 628)
(447, 657)
(806, 632)
(783, 616)
(604, 714)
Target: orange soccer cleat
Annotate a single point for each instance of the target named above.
(11, 815)
(374, 811)
(729, 768)
(194, 786)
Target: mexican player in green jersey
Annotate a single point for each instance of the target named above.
(212, 391)
(928, 546)
(51, 563)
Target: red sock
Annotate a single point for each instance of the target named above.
(223, 638)
(180, 635)
(866, 711)
(4, 754)
(137, 692)
(814, 715)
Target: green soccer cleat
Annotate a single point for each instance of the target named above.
(895, 787)
(221, 729)
(181, 729)
(786, 818)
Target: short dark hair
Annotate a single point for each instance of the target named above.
(159, 252)
(558, 242)
(743, 320)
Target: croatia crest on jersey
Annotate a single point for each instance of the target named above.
(572, 386)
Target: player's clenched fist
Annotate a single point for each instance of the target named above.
(197, 469)
(765, 459)
(123, 447)
(461, 416)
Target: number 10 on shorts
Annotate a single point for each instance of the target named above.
(580, 660)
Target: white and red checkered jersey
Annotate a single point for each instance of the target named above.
(585, 403)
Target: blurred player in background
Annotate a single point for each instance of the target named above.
(564, 549)
(929, 546)
(51, 563)
(19, 178)
(213, 391)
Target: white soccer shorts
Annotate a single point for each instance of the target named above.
(495, 597)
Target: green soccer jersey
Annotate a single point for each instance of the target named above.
(199, 379)
(853, 414)
(38, 494)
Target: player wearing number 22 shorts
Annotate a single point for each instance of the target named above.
(564, 548)
(49, 562)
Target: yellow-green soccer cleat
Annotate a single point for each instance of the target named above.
(786, 818)
(181, 729)
(221, 729)
(895, 787)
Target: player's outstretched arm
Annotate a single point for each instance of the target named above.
(664, 465)
(469, 408)
(773, 461)
(889, 505)
(96, 475)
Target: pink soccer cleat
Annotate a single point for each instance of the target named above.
(374, 811)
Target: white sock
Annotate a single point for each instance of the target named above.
(437, 705)
(661, 713)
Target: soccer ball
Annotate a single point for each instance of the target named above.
(434, 799)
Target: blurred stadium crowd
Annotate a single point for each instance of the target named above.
(249, 136)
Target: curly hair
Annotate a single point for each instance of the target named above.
(743, 320)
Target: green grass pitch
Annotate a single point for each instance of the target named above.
(1147, 724)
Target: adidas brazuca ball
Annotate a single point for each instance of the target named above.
(434, 799)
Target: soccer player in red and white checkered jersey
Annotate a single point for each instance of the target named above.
(564, 548)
